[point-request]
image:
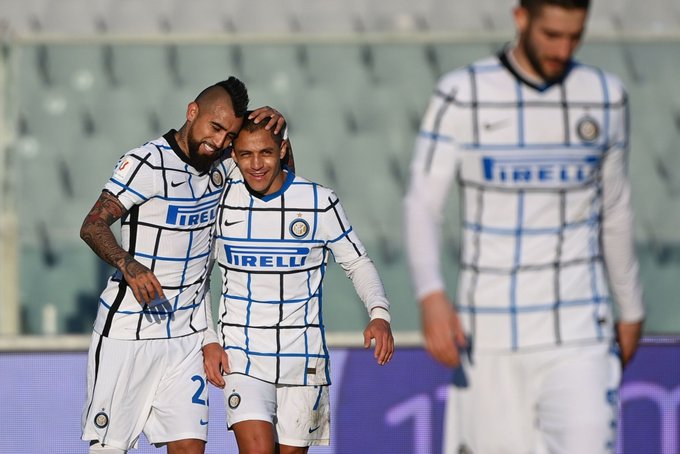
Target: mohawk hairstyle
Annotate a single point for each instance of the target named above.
(237, 92)
(533, 5)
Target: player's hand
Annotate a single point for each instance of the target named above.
(215, 363)
(276, 120)
(380, 330)
(628, 335)
(142, 281)
(442, 329)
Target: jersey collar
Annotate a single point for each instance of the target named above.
(170, 138)
(290, 176)
(508, 63)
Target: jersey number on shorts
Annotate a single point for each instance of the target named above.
(197, 395)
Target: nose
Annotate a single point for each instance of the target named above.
(257, 162)
(564, 49)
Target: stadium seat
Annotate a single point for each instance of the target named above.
(261, 17)
(72, 17)
(313, 158)
(78, 69)
(277, 66)
(341, 67)
(396, 16)
(384, 111)
(408, 70)
(123, 118)
(649, 17)
(325, 17)
(137, 18)
(200, 65)
(401, 64)
(320, 112)
(143, 68)
(52, 116)
(198, 17)
(22, 16)
(450, 56)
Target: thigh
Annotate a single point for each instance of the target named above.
(303, 415)
(180, 405)
(121, 382)
(578, 406)
(490, 407)
(247, 398)
(251, 412)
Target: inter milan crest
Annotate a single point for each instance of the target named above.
(299, 228)
(587, 129)
(234, 400)
(101, 420)
(217, 178)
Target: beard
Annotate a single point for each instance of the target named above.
(535, 62)
(200, 162)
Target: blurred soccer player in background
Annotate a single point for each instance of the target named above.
(538, 146)
(275, 231)
(145, 363)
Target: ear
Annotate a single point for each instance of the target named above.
(521, 18)
(192, 111)
(284, 149)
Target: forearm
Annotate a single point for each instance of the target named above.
(618, 240)
(100, 238)
(369, 287)
(96, 231)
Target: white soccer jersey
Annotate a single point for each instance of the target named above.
(273, 252)
(545, 204)
(168, 228)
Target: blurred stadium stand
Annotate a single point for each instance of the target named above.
(85, 80)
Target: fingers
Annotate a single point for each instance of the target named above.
(225, 364)
(384, 341)
(384, 349)
(213, 375)
(276, 120)
(443, 350)
(144, 284)
(216, 363)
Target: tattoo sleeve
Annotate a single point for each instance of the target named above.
(96, 231)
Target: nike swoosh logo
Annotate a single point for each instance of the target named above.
(314, 429)
(490, 126)
(227, 223)
(179, 183)
(203, 423)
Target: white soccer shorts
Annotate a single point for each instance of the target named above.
(300, 414)
(557, 401)
(153, 386)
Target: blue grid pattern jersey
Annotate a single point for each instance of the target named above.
(541, 172)
(168, 228)
(272, 252)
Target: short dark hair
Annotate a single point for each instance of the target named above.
(250, 126)
(533, 5)
(237, 92)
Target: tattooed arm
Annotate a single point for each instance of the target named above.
(96, 232)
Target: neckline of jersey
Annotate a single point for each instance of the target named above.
(290, 176)
(508, 64)
(170, 138)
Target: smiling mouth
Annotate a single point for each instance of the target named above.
(210, 148)
(258, 176)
